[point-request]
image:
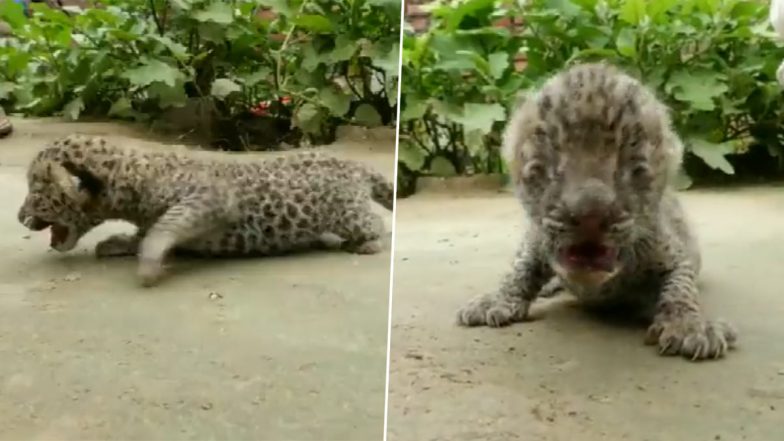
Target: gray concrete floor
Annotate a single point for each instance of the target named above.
(290, 348)
(569, 376)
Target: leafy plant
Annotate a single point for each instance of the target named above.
(712, 61)
(306, 64)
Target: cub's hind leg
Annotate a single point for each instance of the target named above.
(359, 227)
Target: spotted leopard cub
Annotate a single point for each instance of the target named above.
(205, 203)
(592, 155)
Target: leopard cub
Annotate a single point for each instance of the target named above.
(592, 154)
(206, 203)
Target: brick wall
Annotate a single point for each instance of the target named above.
(419, 19)
(416, 16)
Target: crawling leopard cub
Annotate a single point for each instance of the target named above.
(592, 155)
(205, 203)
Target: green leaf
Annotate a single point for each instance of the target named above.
(411, 155)
(335, 100)
(632, 11)
(311, 58)
(12, 13)
(474, 140)
(153, 70)
(592, 53)
(627, 43)
(73, 108)
(697, 87)
(390, 62)
(6, 89)
(178, 50)
(658, 9)
(168, 96)
(183, 4)
(713, 154)
(17, 61)
(308, 118)
(223, 87)
(479, 62)
(708, 6)
(314, 23)
(391, 3)
(498, 61)
(586, 4)
(414, 109)
(217, 12)
(442, 167)
(213, 32)
(458, 63)
(447, 110)
(256, 77)
(345, 48)
(480, 117)
(121, 108)
(367, 115)
(454, 16)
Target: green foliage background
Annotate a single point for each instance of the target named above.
(712, 61)
(336, 60)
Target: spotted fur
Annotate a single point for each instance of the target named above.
(592, 154)
(206, 203)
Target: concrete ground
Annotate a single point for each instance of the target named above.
(290, 348)
(569, 376)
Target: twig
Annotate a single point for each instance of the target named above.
(351, 86)
(279, 54)
(155, 18)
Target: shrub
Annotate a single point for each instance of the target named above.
(712, 61)
(310, 63)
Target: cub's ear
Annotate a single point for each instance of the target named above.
(87, 181)
(76, 181)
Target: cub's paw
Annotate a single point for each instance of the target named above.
(117, 245)
(150, 272)
(492, 310)
(692, 337)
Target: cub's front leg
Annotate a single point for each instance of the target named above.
(194, 216)
(679, 327)
(512, 301)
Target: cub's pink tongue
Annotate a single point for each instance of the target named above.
(59, 235)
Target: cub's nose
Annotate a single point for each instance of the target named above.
(591, 225)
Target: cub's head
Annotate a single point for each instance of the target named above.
(59, 196)
(591, 154)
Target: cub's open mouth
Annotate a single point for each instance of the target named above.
(59, 233)
(590, 256)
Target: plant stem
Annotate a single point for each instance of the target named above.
(155, 18)
(281, 84)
